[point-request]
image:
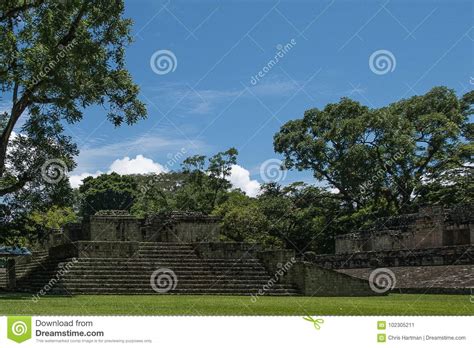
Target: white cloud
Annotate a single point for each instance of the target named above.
(137, 165)
(126, 165)
(76, 180)
(96, 157)
(240, 178)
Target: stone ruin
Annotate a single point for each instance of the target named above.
(432, 227)
(113, 252)
(174, 227)
(430, 251)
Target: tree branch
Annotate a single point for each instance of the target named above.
(16, 186)
(16, 10)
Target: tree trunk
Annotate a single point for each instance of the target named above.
(17, 111)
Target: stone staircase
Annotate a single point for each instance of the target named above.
(191, 274)
(24, 267)
(36, 260)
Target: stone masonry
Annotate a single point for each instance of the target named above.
(432, 227)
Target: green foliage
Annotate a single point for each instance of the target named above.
(200, 187)
(55, 218)
(56, 59)
(206, 187)
(379, 157)
(297, 217)
(244, 221)
(107, 192)
(157, 193)
(455, 186)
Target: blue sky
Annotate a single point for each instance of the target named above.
(208, 102)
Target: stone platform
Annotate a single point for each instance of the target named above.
(88, 267)
(453, 279)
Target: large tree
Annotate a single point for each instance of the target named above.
(381, 157)
(107, 192)
(206, 185)
(56, 59)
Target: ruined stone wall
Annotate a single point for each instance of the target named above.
(430, 228)
(120, 226)
(181, 228)
(114, 228)
(310, 278)
(448, 255)
(95, 249)
(314, 280)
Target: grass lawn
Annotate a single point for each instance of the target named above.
(394, 304)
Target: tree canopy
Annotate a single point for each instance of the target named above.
(56, 59)
(381, 157)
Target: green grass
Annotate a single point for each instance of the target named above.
(394, 304)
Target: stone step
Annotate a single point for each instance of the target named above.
(146, 282)
(182, 275)
(148, 291)
(132, 275)
(167, 249)
(170, 260)
(180, 286)
(162, 263)
(124, 276)
(165, 244)
(153, 267)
